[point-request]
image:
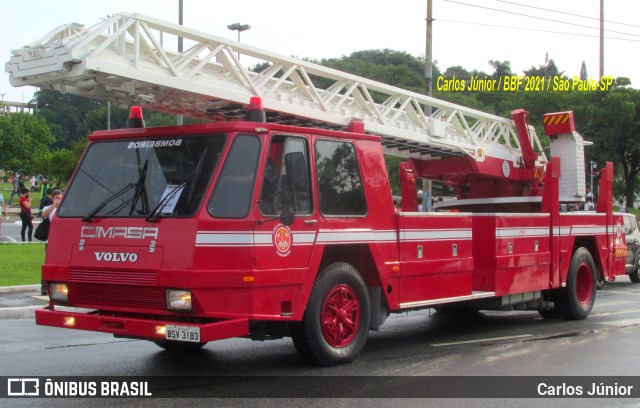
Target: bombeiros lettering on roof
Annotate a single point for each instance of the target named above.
(154, 143)
(119, 232)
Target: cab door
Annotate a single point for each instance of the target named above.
(286, 227)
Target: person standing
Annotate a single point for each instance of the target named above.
(16, 187)
(25, 214)
(47, 213)
(621, 207)
(589, 205)
(44, 187)
(6, 213)
(46, 201)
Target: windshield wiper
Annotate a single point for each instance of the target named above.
(109, 199)
(141, 192)
(153, 216)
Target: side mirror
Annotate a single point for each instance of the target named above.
(287, 216)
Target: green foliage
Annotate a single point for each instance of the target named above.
(612, 120)
(391, 67)
(548, 70)
(500, 68)
(583, 71)
(66, 115)
(22, 138)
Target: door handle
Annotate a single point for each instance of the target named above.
(310, 221)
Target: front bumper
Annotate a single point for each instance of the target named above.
(137, 327)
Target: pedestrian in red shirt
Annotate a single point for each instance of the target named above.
(25, 214)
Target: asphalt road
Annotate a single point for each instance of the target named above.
(10, 230)
(415, 344)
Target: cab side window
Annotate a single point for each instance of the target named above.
(286, 183)
(340, 187)
(232, 195)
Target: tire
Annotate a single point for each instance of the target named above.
(335, 326)
(553, 313)
(179, 346)
(580, 291)
(635, 275)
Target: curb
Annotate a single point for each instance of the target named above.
(20, 312)
(25, 312)
(16, 289)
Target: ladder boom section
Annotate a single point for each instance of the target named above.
(128, 59)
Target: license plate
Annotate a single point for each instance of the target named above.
(183, 333)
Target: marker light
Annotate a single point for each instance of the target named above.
(161, 330)
(69, 321)
(255, 113)
(59, 292)
(255, 103)
(135, 118)
(179, 299)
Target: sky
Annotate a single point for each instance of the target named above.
(332, 28)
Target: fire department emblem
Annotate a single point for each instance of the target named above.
(282, 239)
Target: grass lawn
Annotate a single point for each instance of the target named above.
(20, 264)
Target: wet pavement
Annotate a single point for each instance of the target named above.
(20, 302)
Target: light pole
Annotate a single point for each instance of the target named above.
(180, 118)
(2, 103)
(592, 165)
(239, 28)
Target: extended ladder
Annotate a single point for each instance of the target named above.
(125, 59)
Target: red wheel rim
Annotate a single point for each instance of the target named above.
(340, 316)
(584, 284)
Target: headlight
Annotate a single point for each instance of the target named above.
(179, 299)
(59, 292)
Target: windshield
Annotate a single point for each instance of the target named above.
(143, 178)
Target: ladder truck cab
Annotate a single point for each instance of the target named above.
(276, 217)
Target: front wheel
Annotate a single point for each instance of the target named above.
(335, 326)
(580, 292)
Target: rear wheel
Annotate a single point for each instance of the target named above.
(179, 346)
(552, 313)
(335, 325)
(580, 292)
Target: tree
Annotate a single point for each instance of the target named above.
(456, 72)
(59, 164)
(622, 81)
(612, 119)
(22, 138)
(500, 68)
(66, 115)
(548, 70)
(583, 71)
(395, 68)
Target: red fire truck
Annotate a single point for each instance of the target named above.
(277, 219)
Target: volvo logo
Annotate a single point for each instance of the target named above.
(116, 256)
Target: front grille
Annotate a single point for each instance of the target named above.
(142, 297)
(117, 288)
(119, 277)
